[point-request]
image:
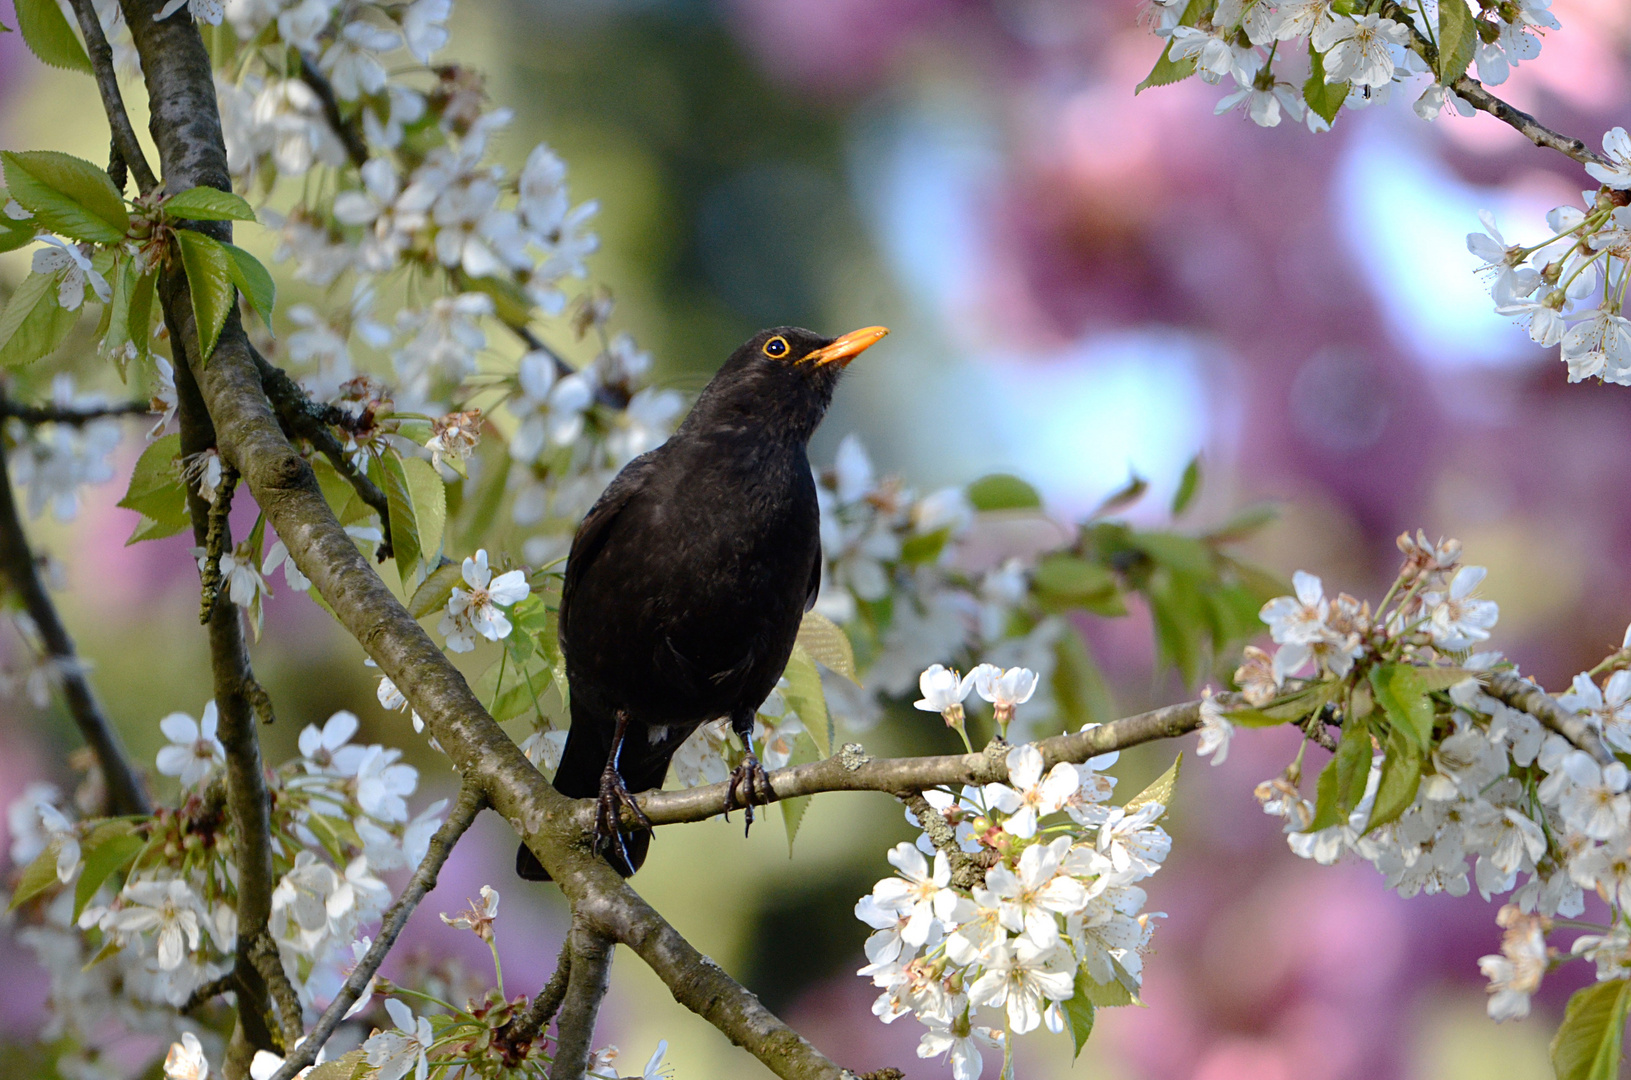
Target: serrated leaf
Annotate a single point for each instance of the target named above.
(253, 280)
(404, 528)
(1322, 97)
(1288, 709)
(805, 697)
(432, 593)
(1079, 1012)
(208, 204)
(48, 36)
(1161, 790)
(141, 314)
(1402, 691)
(793, 810)
(1326, 813)
(1457, 39)
(1001, 491)
(342, 498)
(116, 313)
(39, 876)
(1168, 70)
(34, 323)
(1342, 782)
(1110, 995)
(341, 1068)
(66, 194)
(209, 279)
(157, 492)
(429, 496)
(1188, 485)
(827, 644)
(1587, 1043)
(1401, 776)
(110, 846)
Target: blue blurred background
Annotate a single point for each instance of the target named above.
(1082, 284)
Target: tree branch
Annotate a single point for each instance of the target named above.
(966, 871)
(544, 1005)
(1523, 695)
(349, 137)
(126, 793)
(589, 978)
(113, 103)
(247, 801)
(459, 820)
(851, 770)
(1527, 126)
(56, 414)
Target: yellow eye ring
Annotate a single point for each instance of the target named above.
(776, 347)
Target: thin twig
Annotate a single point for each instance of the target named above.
(588, 980)
(347, 133)
(966, 871)
(217, 540)
(56, 414)
(126, 794)
(212, 989)
(543, 1007)
(113, 103)
(465, 809)
(263, 953)
(1475, 95)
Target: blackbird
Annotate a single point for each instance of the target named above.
(688, 579)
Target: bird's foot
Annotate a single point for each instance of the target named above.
(755, 782)
(609, 805)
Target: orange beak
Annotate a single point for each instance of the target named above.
(848, 347)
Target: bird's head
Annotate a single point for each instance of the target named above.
(781, 379)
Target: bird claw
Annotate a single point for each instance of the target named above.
(750, 776)
(609, 806)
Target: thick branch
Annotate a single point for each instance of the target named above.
(1525, 696)
(966, 871)
(587, 983)
(850, 770)
(113, 103)
(465, 809)
(126, 795)
(247, 799)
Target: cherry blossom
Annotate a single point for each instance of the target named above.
(194, 752)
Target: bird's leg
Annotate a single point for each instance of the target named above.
(750, 775)
(614, 797)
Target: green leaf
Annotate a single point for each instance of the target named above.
(1587, 1043)
(1123, 497)
(433, 592)
(1457, 39)
(485, 503)
(34, 322)
(1326, 813)
(209, 279)
(404, 527)
(805, 697)
(429, 496)
(342, 498)
(253, 280)
(1110, 995)
(1246, 524)
(110, 846)
(1168, 70)
(794, 809)
(116, 313)
(1000, 491)
(342, 1068)
(1188, 485)
(40, 875)
(156, 492)
(1180, 622)
(13, 233)
(1079, 687)
(925, 547)
(1184, 554)
(1079, 1011)
(1323, 97)
(1402, 691)
(1342, 782)
(1161, 790)
(1288, 709)
(67, 195)
(49, 37)
(1070, 580)
(141, 314)
(1401, 776)
(208, 204)
(828, 645)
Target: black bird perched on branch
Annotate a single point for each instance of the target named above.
(688, 579)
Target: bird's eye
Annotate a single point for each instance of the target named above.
(776, 347)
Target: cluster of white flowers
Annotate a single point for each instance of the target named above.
(1569, 288)
(1502, 804)
(477, 610)
(1057, 914)
(53, 460)
(1270, 48)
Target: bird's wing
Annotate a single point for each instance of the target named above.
(596, 528)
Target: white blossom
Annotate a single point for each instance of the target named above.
(194, 752)
(401, 1051)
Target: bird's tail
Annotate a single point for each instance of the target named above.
(583, 759)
